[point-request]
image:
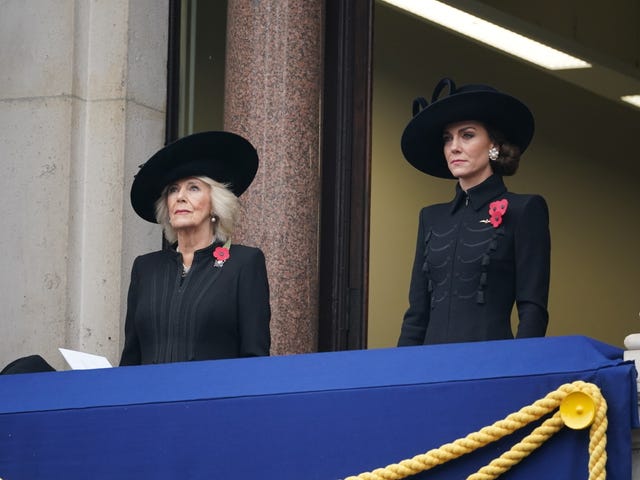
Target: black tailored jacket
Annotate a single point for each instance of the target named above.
(210, 313)
(467, 274)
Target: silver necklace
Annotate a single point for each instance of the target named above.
(185, 269)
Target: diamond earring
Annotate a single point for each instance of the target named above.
(494, 153)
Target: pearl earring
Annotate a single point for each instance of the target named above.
(494, 153)
(213, 218)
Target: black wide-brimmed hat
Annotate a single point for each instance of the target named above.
(222, 156)
(422, 143)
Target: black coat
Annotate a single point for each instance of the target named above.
(211, 313)
(467, 274)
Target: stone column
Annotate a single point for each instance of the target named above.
(82, 104)
(119, 95)
(273, 87)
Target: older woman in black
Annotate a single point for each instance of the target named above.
(488, 248)
(204, 297)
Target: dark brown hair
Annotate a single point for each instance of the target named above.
(509, 159)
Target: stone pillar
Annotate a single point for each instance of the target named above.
(119, 96)
(35, 115)
(82, 95)
(95, 177)
(273, 87)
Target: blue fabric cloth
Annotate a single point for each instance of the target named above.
(314, 416)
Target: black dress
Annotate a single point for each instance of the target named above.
(209, 313)
(467, 274)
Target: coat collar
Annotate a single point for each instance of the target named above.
(205, 252)
(480, 195)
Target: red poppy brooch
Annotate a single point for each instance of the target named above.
(221, 254)
(496, 211)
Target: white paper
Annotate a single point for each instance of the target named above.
(84, 361)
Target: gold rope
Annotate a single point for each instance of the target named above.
(502, 428)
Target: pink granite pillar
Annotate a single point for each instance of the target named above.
(273, 87)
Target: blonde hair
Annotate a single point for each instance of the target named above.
(225, 208)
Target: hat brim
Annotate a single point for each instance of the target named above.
(422, 143)
(222, 156)
(28, 364)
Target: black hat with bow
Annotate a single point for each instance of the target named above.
(422, 142)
